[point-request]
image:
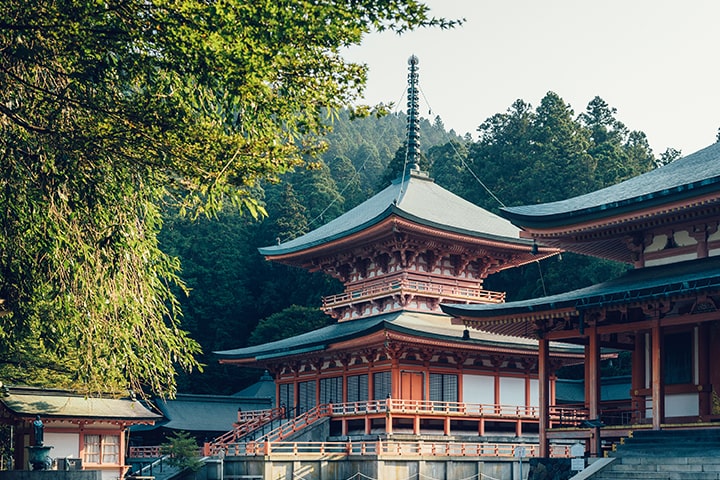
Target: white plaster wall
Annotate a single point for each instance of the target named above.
(64, 444)
(512, 391)
(479, 389)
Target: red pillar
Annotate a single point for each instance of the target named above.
(658, 388)
(593, 385)
(544, 394)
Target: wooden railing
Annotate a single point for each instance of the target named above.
(391, 448)
(247, 422)
(145, 452)
(449, 292)
(231, 446)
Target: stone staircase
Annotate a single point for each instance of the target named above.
(666, 455)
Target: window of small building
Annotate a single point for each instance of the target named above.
(102, 449)
(331, 390)
(443, 387)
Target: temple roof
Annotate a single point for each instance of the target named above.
(422, 325)
(689, 176)
(207, 413)
(416, 198)
(634, 287)
(28, 402)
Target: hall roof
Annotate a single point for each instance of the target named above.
(690, 176)
(420, 325)
(416, 198)
(634, 287)
(59, 404)
(206, 413)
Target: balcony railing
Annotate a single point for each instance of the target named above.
(392, 448)
(447, 292)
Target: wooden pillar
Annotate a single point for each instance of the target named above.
(395, 378)
(593, 385)
(593, 375)
(543, 391)
(702, 340)
(638, 378)
(446, 426)
(658, 388)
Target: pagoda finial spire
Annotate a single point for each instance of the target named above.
(413, 122)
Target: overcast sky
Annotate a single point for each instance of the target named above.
(655, 61)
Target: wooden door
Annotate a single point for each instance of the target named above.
(412, 386)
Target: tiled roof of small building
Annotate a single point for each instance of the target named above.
(417, 198)
(687, 176)
(663, 281)
(414, 323)
(28, 401)
(207, 413)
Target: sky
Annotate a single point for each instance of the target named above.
(656, 61)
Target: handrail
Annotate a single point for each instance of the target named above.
(404, 448)
(248, 422)
(406, 285)
(440, 408)
(284, 430)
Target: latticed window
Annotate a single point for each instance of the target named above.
(331, 390)
(381, 385)
(92, 449)
(443, 387)
(102, 449)
(287, 395)
(306, 396)
(357, 388)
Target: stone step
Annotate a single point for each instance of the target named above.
(613, 475)
(712, 460)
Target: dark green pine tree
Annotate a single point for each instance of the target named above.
(446, 165)
(219, 308)
(347, 180)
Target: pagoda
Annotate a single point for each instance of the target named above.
(394, 363)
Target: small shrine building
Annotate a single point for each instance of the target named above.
(85, 433)
(665, 311)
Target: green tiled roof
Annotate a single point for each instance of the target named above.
(417, 198)
(636, 285)
(61, 404)
(688, 176)
(419, 324)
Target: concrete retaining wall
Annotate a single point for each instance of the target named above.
(342, 468)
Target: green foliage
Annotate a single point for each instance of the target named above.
(289, 322)
(109, 110)
(183, 450)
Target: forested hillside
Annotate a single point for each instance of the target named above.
(524, 155)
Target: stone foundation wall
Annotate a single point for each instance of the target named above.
(451, 468)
